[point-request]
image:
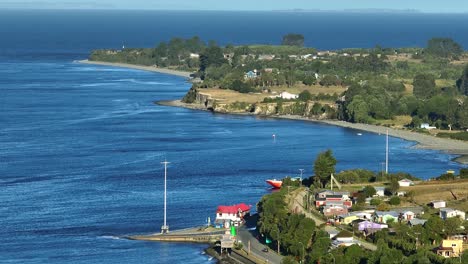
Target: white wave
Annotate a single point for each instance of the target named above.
(111, 237)
(95, 84)
(143, 82)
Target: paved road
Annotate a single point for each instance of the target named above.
(245, 235)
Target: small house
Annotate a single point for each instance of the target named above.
(194, 55)
(231, 215)
(344, 238)
(380, 191)
(287, 96)
(450, 248)
(386, 217)
(445, 213)
(438, 204)
(347, 219)
(251, 75)
(334, 210)
(417, 221)
(405, 183)
(367, 225)
(427, 126)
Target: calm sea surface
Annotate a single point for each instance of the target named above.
(81, 145)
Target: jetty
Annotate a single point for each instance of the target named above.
(190, 235)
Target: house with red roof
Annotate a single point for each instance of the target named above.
(228, 215)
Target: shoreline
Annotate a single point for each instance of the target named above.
(449, 146)
(139, 67)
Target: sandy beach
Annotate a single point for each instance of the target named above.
(451, 146)
(139, 67)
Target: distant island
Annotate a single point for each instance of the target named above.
(406, 90)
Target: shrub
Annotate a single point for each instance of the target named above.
(375, 202)
(395, 200)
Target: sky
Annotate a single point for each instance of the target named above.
(430, 6)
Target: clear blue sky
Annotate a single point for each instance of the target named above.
(433, 6)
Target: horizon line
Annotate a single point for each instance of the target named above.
(356, 11)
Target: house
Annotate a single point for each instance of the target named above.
(344, 238)
(194, 55)
(417, 221)
(370, 227)
(450, 248)
(267, 57)
(365, 215)
(347, 219)
(324, 193)
(286, 95)
(427, 126)
(401, 193)
(408, 213)
(438, 204)
(251, 75)
(334, 210)
(449, 212)
(385, 217)
(405, 183)
(231, 215)
(380, 191)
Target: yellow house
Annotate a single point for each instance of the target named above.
(347, 219)
(450, 248)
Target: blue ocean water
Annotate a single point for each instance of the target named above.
(81, 145)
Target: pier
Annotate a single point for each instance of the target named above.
(190, 235)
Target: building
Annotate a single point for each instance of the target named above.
(417, 221)
(427, 126)
(385, 217)
(347, 219)
(450, 248)
(251, 75)
(449, 212)
(231, 215)
(380, 191)
(344, 239)
(405, 183)
(194, 55)
(368, 227)
(286, 95)
(438, 204)
(408, 213)
(334, 210)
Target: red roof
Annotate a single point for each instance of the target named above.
(233, 208)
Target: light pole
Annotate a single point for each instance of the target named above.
(303, 252)
(165, 228)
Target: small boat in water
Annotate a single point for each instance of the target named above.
(275, 183)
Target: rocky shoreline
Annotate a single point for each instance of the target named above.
(450, 146)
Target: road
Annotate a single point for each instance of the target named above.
(245, 235)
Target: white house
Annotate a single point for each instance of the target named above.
(194, 55)
(438, 204)
(380, 191)
(405, 183)
(286, 95)
(449, 212)
(231, 215)
(427, 126)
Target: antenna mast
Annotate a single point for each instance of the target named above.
(165, 227)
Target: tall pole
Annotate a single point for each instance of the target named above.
(386, 155)
(165, 228)
(302, 171)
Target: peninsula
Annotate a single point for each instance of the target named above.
(417, 94)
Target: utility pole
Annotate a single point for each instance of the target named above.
(165, 227)
(386, 155)
(302, 171)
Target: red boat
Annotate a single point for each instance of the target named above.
(275, 183)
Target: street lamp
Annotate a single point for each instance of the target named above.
(303, 252)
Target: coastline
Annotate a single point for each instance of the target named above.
(139, 67)
(449, 146)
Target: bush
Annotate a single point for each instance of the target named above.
(375, 202)
(395, 200)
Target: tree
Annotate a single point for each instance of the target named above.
(293, 40)
(462, 83)
(393, 186)
(443, 47)
(395, 200)
(324, 166)
(305, 96)
(451, 226)
(211, 56)
(424, 86)
(369, 191)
